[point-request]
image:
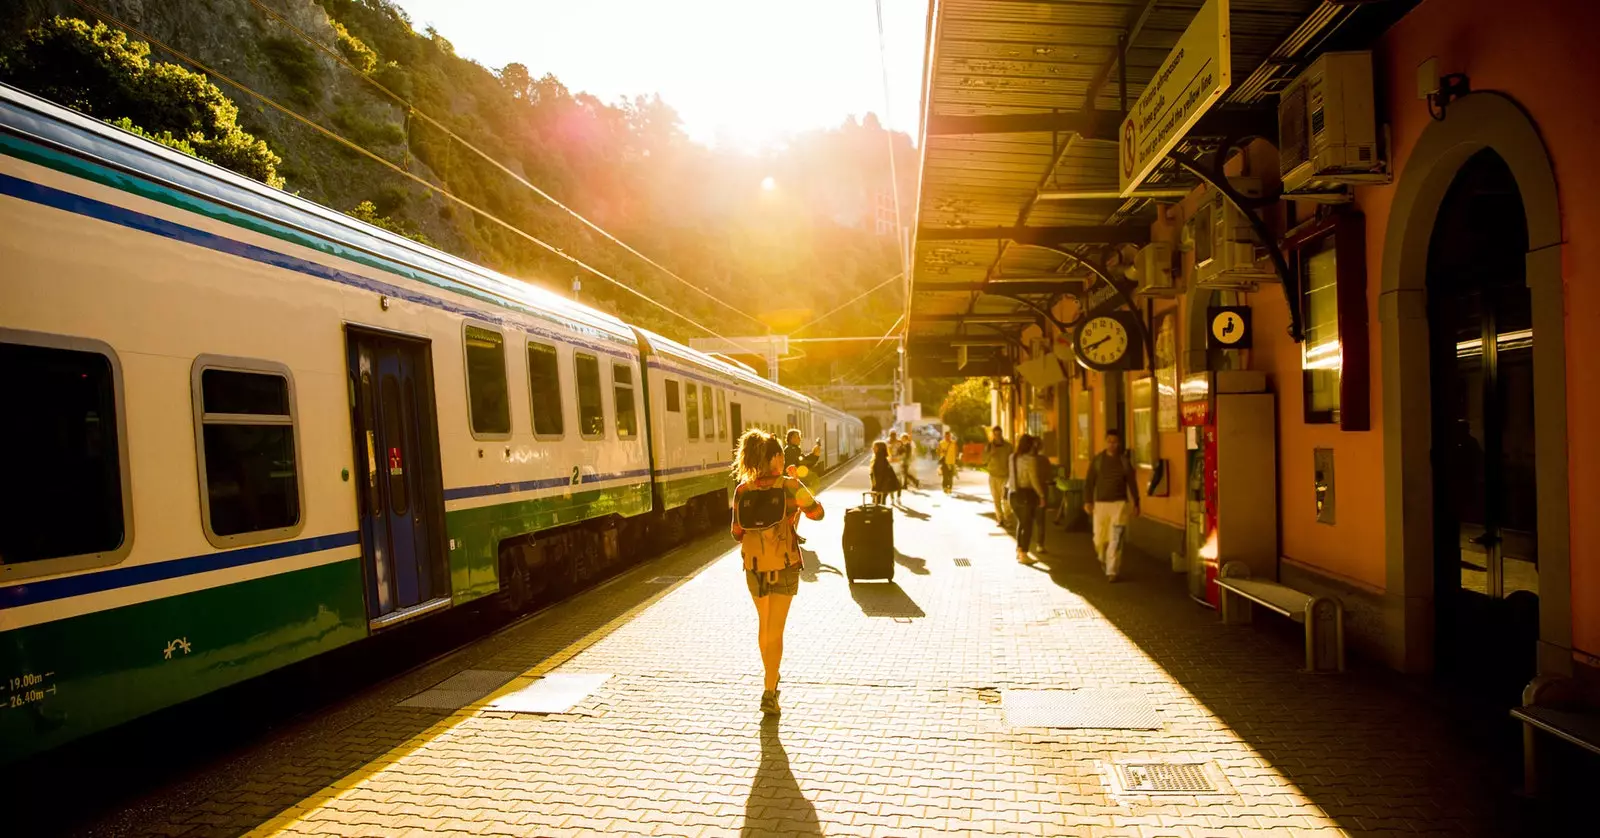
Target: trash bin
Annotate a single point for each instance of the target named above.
(1071, 491)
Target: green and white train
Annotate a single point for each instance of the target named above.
(240, 429)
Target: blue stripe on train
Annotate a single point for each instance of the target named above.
(31, 593)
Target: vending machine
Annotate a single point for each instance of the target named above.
(1231, 501)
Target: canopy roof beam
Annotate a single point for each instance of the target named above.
(1094, 234)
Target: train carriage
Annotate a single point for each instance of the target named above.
(242, 430)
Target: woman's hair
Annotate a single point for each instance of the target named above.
(756, 450)
(1025, 444)
(880, 450)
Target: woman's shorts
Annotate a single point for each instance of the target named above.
(782, 582)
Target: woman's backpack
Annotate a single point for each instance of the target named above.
(759, 511)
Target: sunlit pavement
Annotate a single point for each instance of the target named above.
(892, 716)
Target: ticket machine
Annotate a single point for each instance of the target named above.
(1231, 434)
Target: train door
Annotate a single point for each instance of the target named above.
(397, 463)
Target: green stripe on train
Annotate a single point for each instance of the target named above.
(675, 493)
(72, 677)
(476, 533)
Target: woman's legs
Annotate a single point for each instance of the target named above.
(774, 612)
(1025, 504)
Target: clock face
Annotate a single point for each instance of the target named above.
(1103, 341)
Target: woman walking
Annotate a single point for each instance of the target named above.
(908, 456)
(1027, 494)
(884, 483)
(767, 506)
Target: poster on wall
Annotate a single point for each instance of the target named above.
(1166, 369)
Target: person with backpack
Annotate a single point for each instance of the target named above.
(767, 504)
(1027, 495)
(1113, 498)
(907, 459)
(884, 481)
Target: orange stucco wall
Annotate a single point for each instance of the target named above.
(1541, 54)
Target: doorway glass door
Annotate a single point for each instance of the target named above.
(398, 464)
(1480, 319)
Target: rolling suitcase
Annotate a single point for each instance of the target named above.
(869, 542)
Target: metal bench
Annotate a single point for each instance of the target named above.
(1553, 705)
(1323, 617)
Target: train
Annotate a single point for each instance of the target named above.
(241, 430)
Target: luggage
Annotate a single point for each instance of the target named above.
(869, 542)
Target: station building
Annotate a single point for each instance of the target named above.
(1404, 424)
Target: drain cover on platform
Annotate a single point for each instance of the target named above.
(662, 580)
(459, 690)
(1088, 708)
(963, 563)
(556, 693)
(1156, 777)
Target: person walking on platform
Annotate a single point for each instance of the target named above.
(767, 504)
(1027, 496)
(908, 457)
(1111, 487)
(997, 459)
(949, 455)
(800, 465)
(884, 483)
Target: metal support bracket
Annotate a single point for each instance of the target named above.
(1289, 280)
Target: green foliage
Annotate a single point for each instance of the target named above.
(368, 212)
(354, 49)
(165, 137)
(368, 132)
(97, 70)
(296, 65)
(966, 409)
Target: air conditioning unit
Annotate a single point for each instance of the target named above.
(1152, 269)
(1225, 255)
(1327, 127)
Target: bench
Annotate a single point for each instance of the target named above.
(1553, 705)
(1323, 617)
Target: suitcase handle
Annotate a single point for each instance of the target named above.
(866, 499)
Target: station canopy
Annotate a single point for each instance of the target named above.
(1023, 101)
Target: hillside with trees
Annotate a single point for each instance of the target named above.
(346, 103)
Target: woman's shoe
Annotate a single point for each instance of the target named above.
(769, 703)
(1024, 558)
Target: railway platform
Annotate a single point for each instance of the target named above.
(914, 708)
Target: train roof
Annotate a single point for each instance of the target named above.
(28, 117)
(32, 119)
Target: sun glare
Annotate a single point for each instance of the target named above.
(768, 184)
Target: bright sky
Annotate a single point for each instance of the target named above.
(741, 73)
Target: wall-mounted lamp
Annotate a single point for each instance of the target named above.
(1440, 91)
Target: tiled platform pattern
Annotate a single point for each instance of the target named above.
(892, 720)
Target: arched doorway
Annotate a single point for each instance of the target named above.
(1480, 325)
(1470, 162)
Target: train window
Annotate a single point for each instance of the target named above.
(708, 412)
(65, 504)
(544, 390)
(395, 434)
(488, 399)
(622, 390)
(722, 414)
(672, 397)
(246, 449)
(691, 395)
(591, 410)
(737, 418)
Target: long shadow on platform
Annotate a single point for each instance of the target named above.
(885, 599)
(1373, 748)
(776, 805)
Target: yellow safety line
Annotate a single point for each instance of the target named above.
(349, 782)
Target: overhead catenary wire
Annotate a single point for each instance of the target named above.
(413, 111)
(894, 187)
(852, 301)
(868, 354)
(485, 214)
